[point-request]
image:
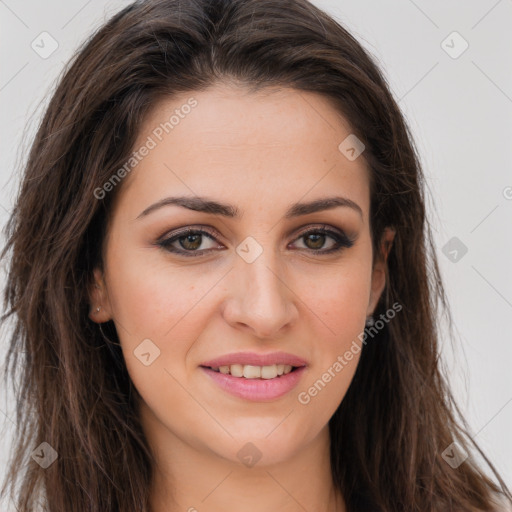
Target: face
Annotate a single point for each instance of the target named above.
(260, 282)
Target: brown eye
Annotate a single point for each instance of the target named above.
(315, 239)
(189, 240)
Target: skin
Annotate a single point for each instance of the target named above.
(260, 152)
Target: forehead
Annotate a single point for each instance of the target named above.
(226, 141)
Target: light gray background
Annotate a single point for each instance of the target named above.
(459, 110)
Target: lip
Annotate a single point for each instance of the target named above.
(257, 390)
(256, 359)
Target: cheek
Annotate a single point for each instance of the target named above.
(339, 298)
(336, 353)
(153, 298)
(340, 304)
(344, 306)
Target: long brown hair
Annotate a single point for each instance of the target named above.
(74, 392)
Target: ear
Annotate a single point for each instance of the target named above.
(379, 269)
(98, 297)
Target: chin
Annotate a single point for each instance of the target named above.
(263, 447)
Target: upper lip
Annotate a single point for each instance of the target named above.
(255, 359)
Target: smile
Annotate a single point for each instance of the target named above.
(256, 376)
(255, 372)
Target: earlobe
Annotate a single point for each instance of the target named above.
(99, 311)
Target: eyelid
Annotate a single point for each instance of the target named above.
(184, 230)
(342, 239)
(320, 226)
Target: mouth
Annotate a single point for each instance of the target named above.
(255, 376)
(257, 383)
(248, 371)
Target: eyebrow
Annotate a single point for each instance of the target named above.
(205, 205)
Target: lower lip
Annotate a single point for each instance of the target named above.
(258, 390)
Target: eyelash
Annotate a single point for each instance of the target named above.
(342, 241)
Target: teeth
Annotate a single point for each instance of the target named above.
(237, 370)
(269, 372)
(255, 372)
(252, 372)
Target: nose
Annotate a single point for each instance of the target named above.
(261, 298)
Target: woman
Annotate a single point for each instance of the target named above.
(222, 278)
